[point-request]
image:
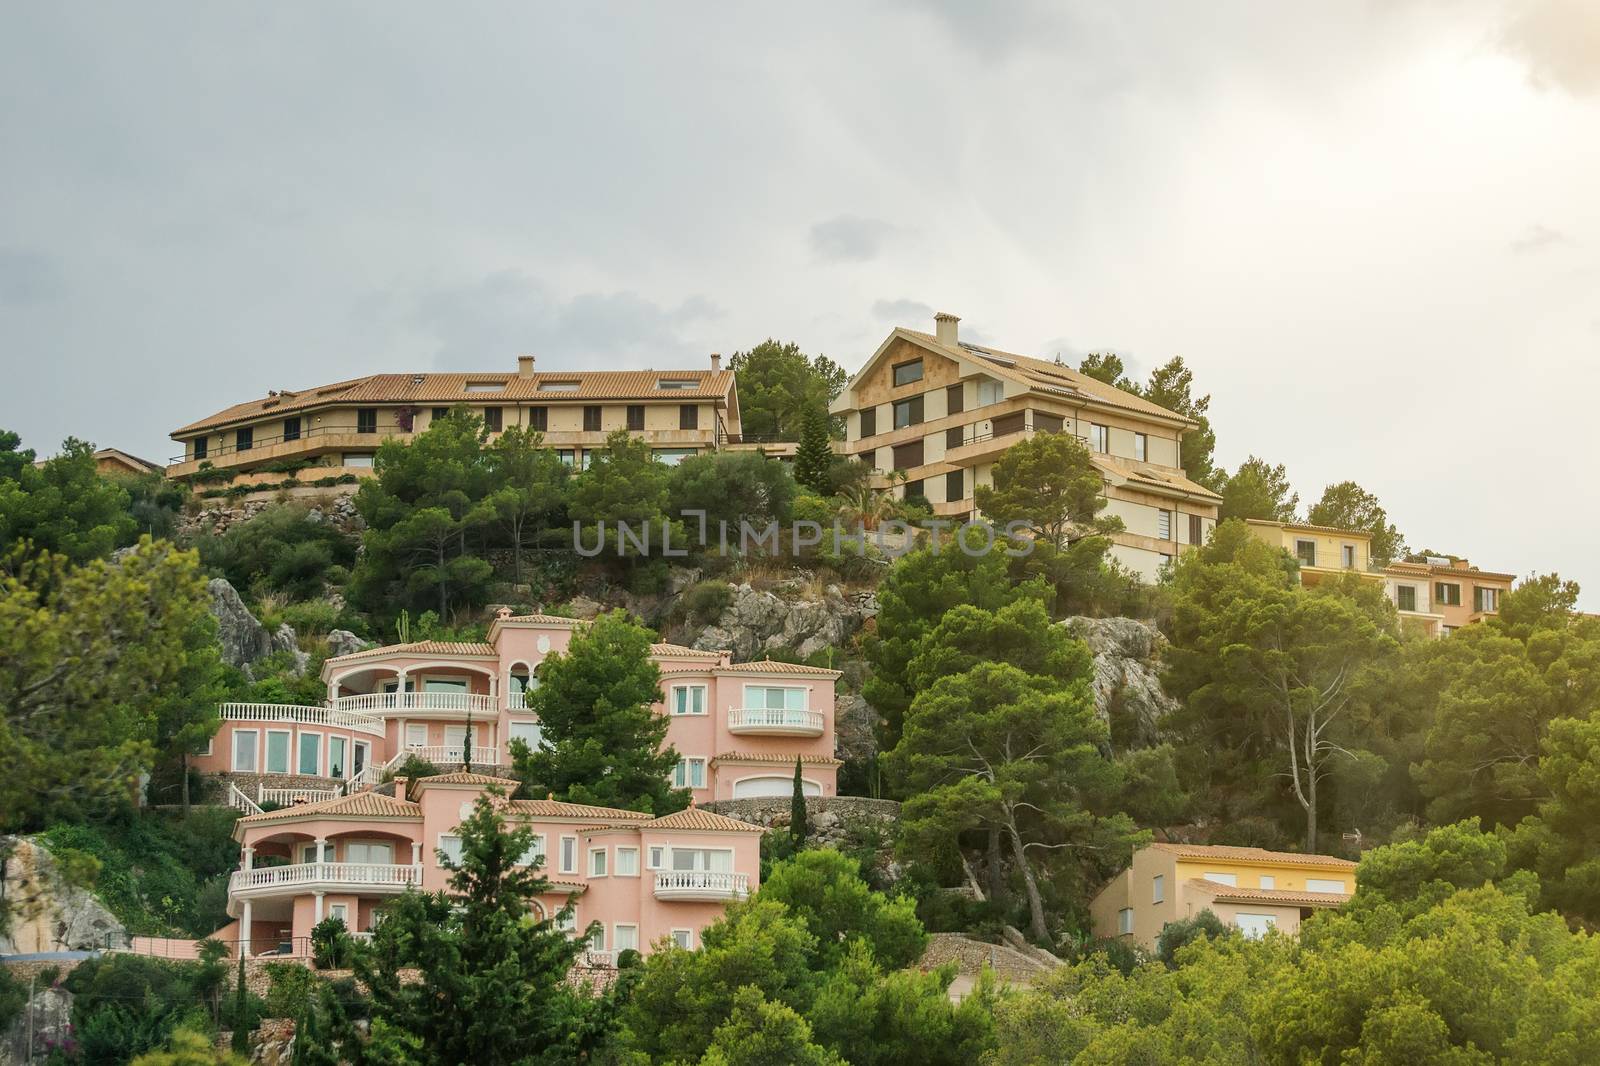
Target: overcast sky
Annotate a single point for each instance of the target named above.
(1372, 229)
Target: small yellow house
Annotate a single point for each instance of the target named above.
(1321, 551)
(1252, 889)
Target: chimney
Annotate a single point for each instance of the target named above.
(944, 327)
(716, 362)
(400, 787)
(524, 366)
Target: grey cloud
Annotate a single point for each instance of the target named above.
(850, 238)
(904, 312)
(486, 322)
(1539, 237)
(1559, 43)
(27, 277)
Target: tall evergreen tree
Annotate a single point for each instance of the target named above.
(813, 460)
(799, 825)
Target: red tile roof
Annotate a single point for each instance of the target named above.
(360, 805)
(697, 818)
(772, 666)
(777, 760)
(549, 808)
(1255, 855)
(1229, 894)
(420, 647)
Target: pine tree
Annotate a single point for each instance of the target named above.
(799, 826)
(814, 458)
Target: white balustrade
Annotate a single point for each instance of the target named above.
(701, 884)
(240, 802)
(390, 876)
(445, 756)
(285, 713)
(285, 797)
(369, 703)
(777, 720)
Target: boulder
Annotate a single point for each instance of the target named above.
(48, 912)
(344, 642)
(790, 617)
(855, 728)
(244, 640)
(45, 1023)
(1127, 675)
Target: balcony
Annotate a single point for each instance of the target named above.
(701, 885)
(774, 722)
(438, 704)
(361, 877)
(446, 755)
(286, 713)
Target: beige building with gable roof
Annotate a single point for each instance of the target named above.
(940, 411)
(339, 426)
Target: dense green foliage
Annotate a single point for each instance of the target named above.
(63, 505)
(282, 550)
(1171, 385)
(1257, 490)
(778, 384)
(1349, 506)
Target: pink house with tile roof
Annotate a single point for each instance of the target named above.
(737, 727)
(644, 880)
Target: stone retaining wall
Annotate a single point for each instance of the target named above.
(830, 817)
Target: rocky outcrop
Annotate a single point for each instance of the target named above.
(855, 728)
(1127, 675)
(834, 821)
(344, 642)
(47, 912)
(44, 1024)
(331, 508)
(243, 639)
(791, 616)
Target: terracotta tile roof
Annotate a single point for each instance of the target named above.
(1307, 527)
(1047, 377)
(1404, 567)
(776, 760)
(1256, 855)
(548, 808)
(462, 777)
(433, 389)
(1149, 475)
(361, 805)
(125, 457)
(545, 619)
(770, 666)
(1228, 893)
(682, 650)
(419, 647)
(692, 818)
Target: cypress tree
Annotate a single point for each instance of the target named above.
(799, 826)
(814, 458)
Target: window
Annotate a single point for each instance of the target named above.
(369, 851)
(569, 855)
(657, 856)
(200, 447)
(1163, 525)
(205, 747)
(1306, 552)
(1255, 926)
(1045, 422)
(1158, 889)
(567, 456)
(440, 412)
(522, 683)
(450, 844)
(486, 386)
(1125, 921)
(908, 455)
(676, 383)
(534, 856)
(566, 920)
(689, 773)
(954, 398)
(530, 733)
(1447, 593)
(591, 418)
(1197, 529)
(310, 754)
(493, 419)
(954, 437)
(689, 699)
(277, 751)
(1015, 422)
(636, 416)
(1323, 884)
(244, 439)
(539, 418)
(688, 416)
(906, 373)
(683, 938)
(1405, 597)
(356, 459)
(340, 911)
(1099, 439)
(672, 456)
(625, 937)
(774, 697)
(1141, 446)
(1231, 880)
(598, 859)
(914, 491)
(558, 386)
(597, 939)
(907, 412)
(697, 860)
(1268, 881)
(366, 420)
(990, 391)
(244, 751)
(291, 429)
(1484, 599)
(869, 421)
(954, 486)
(627, 862)
(1347, 556)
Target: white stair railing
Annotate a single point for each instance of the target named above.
(240, 802)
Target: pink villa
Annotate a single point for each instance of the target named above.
(738, 727)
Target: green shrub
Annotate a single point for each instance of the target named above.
(13, 998)
(292, 987)
(332, 947)
(704, 603)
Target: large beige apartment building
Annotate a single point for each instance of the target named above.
(940, 411)
(339, 426)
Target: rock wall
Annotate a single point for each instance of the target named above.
(788, 617)
(243, 639)
(45, 1024)
(47, 913)
(323, 504)
(1127, 674)
(830, 817)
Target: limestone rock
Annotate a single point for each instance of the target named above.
(1127, 673)
(284, 639)
(789, 617)
(344, 642)
(49, 1017)
(48, 913)
(243, 639)
(855, 728)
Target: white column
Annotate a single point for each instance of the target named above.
(494, 739)
(416, 853)
(316, 910)
(244, 931)
(247, 858)
(322, 849)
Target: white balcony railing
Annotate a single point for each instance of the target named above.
(286, 713)
(598, 960)
(357, 875)
(384, 703)
(776, 721)
(288, 797)
(701, 885)
(240, 802)
(446, 755)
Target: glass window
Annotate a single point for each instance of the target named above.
(450, 844)
(340, 911)
(1349, 556)
(1268, 881)
(954, 486)
(869, 421)
(1125, 921)
(1231, 880)
(1255, 926)
(591, 418)
(366, 420)
(444, 684)
(1141, 446)
(291, 428)
(673, 456)
(530, 733)
(597, 862)
(1158, 889)
(569, 855)
(772, 697)
(954, 437)
(277, 752)
(558, 386)
(625, 937)
(990, 391)
(439, 413)
(566, 920)
(310, 754)
(1163, 525)
(244, 439)
(688, 416)
(689, 699)
(694, 860)
(907, 412)
(636, 416)
(539, 418)
(1321, 884)
(597, 939)
(336, 751)
(1306, 552)
(954, 398)
(627, 862)
(1406, 598)
(1099, 439)
(493, 419)
(689, 773)
(371, 851)
(244, 751)
(658, 856)
(1447, 593)
(200, 447)
(534, 856)
(906, 373)
(683, 938)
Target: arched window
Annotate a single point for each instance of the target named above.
(522, 681)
